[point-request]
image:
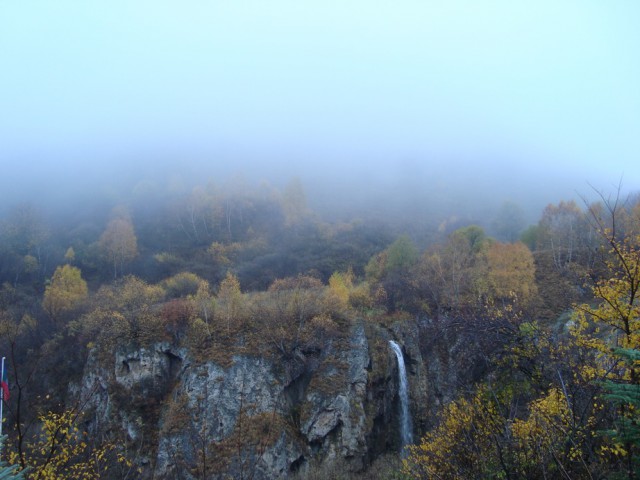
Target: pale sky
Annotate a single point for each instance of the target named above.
(327, 86)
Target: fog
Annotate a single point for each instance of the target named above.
(417, 109)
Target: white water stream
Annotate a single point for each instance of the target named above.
(406, 425)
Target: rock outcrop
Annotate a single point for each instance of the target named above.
(262, 414)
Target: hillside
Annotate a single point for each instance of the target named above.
(217, 331)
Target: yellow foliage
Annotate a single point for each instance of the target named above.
(465, 434)
(549, 418)
(360, 297)
(615, 320)
(477, 439)
(222, 254)
(66, 290)
(229, 299)
(339, 285)
(376, 267)
(510, 272)
(124, 311)
(61, 451)
(297, 313)
(181, 284)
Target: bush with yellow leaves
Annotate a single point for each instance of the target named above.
(62, 451)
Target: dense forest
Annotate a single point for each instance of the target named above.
(522, 352)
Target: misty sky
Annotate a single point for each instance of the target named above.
(526, 91)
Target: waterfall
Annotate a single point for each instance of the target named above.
(406, 425)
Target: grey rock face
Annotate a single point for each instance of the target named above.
(214, 403)
(342, 412)
(259, 415)
(148, 372)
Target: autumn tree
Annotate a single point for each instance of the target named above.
(60, 451)
(119, 244)
(223, 255)
(341, 284)
(65, 291)
(619, 289)
(181, 284)
(510, 273)
(229, 299)
(401, 254)
(391, 271)
(566, 235)
(297, 314)
(543, 424)
(120, 312)
(450, 274)
(463, 445)
(204, 305)
(610, 326)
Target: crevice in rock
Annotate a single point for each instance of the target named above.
(125, 368)
(297, 464)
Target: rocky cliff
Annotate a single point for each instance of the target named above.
(260, 417)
